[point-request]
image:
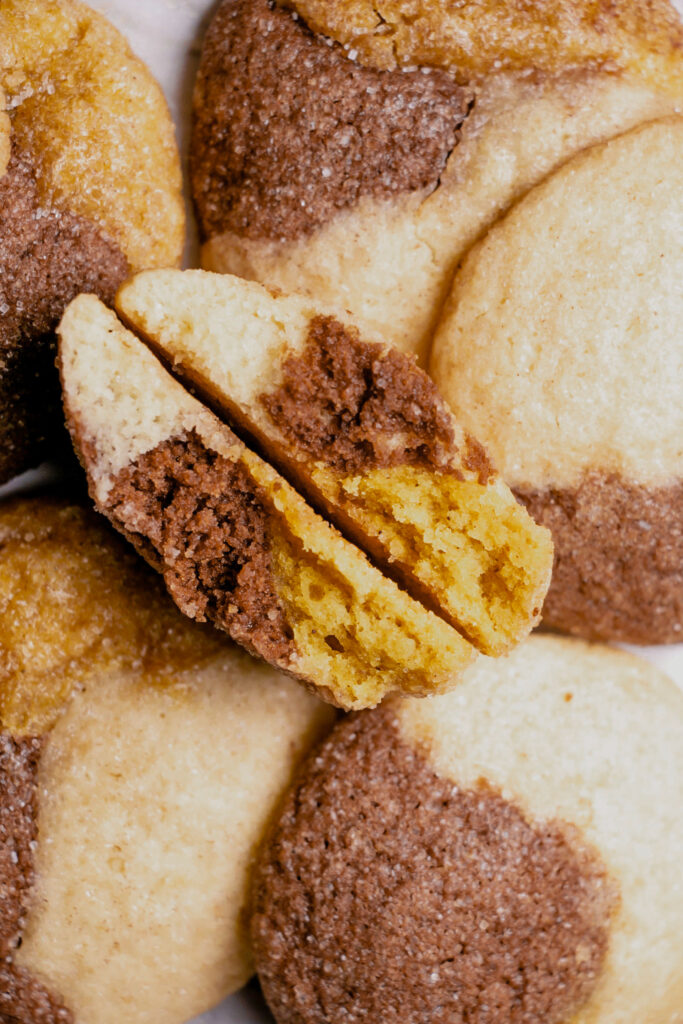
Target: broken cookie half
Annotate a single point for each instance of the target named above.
(359, 429)
(235, 543)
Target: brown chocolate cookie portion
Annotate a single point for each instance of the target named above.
(47, 256)
(618, 572)
(201, 514)
(357, 406)
(288, 130)
(387, 893)
(22, 998)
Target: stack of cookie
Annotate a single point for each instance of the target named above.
(424, 394)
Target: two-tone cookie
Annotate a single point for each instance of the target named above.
(141, 757)
(361, 431)
(236, 544)
(505, 854)
(355, 151)
(90, 190)
(560, 348)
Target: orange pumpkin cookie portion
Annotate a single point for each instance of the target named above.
(365, 435)
(236, 544)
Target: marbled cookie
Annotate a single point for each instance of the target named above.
(141, 756)
(354, 151)
(364, 434)
(561, 350)
(89, 190)
(506, 854)
(236, 544)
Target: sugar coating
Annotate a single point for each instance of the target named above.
(390, 263)
(163, 755)
(560, 346)
(95, 123)
(594, 737)
(138, 917)
(478, 38)
(5, 147)
(77, 601)
(387, 893)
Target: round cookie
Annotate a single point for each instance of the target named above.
(560, 348)
(140, 759)
(507, 853)
(90, 190)
(356, 160)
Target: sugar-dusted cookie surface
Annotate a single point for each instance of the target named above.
(89, 190)
(236, 544)
(505, 854)
(141, 756)
(356, 156)
(363, 432)
(561, 349)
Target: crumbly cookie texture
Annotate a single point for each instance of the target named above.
(126, 709)
(390, 186)
(364, 434)
(507, 853)
(236, 544)
(560, 349)
(476, 39)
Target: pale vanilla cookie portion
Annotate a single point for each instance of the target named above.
(134, 788)
(90, 189)
(318, 169)
(560, 348)
(506, 854)
(236, 545)
(360, 430)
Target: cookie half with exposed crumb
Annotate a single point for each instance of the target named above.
(141, 757)
(90, 190)
(505, 854)
(238, 546)
(365, 435)
(354, 152)
(560, 348)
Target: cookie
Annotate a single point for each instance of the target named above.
(90, 190)
(141, 756)
(354, 153)
(506, 853)
(560, 349)
(236, 544)
(361, 431)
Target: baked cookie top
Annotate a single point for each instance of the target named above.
(477, 39)
(90, 189)
(94, 125)
(560, 343)
(141, 756)
(505, 854)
